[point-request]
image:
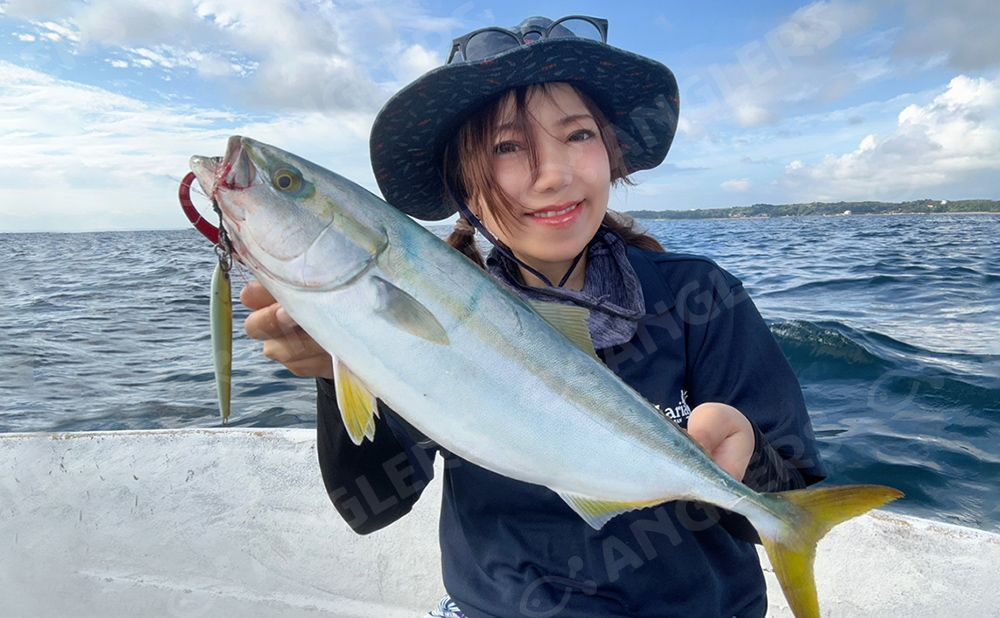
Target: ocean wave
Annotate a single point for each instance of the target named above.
(834, 350)
(833, 344)
(831, 285)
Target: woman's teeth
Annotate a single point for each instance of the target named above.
(555, 213)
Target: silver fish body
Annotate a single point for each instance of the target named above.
(507, 391)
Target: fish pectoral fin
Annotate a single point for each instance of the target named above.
(357, 404)
(598, 512)
(569, 320)
(406, 313)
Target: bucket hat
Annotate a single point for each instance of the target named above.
(638, 95)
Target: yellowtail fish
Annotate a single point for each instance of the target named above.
(478, 370)
(221, 309)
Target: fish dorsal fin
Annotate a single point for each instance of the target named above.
(570, 320)
(357, 404)
(406, 313)
(599, 512)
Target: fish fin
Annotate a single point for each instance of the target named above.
(221, 311)
(598, 512)
(357, 404)
(569, 320)
(406, 313)
(820, 509)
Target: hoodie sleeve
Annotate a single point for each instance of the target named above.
(375, 483)
(734, 359)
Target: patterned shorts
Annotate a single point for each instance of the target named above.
(446, 608)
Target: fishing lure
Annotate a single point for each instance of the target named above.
(221, 299)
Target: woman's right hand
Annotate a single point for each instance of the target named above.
(284, 340)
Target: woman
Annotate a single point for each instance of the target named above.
(523, 132)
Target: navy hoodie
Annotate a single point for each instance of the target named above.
(510, 548)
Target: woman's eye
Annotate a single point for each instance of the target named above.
(506, 147)
(581, 135)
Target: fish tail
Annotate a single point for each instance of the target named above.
(221, 309)
(814, 513)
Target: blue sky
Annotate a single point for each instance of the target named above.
(102, 102)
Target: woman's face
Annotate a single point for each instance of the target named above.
(563, 204)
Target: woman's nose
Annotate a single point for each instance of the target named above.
(555, 166)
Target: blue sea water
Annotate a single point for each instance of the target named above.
(892, 325)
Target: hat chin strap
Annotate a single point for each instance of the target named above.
(554, 291)
(476, 223)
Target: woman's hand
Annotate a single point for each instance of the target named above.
(725, 433)
(284, 340)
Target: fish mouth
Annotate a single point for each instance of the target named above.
(237, 171)
(233, 172)
(205, 169)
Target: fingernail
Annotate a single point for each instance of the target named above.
(283, 318)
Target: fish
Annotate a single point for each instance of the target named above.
(512, 387)
(221, 311)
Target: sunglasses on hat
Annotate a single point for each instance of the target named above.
(487, 42)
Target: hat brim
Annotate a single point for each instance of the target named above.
(638, 95)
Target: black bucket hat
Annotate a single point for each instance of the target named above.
(637, 94)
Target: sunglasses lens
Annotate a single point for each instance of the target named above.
(488, 43)
(576, 27)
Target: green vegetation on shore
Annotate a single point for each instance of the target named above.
(825, 209)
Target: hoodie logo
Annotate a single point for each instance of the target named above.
(678, 413)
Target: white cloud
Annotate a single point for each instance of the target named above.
(88, 158)
(154, 57)
(689, 127)
(817, 26)
(314, 57)
(961, 33)
(26, 38)
(61, 30)
(415, 61)
(753, 115)
(934, 146)
(736, 185)
(37, 8)
(802, 63)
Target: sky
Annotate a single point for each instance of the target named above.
(102, 102)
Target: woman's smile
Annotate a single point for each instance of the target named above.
(558, 216)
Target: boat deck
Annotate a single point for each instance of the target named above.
(218, 522)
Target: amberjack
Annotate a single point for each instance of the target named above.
(512, 387)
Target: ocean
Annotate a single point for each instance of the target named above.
(892, 325)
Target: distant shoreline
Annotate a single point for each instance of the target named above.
(828, 209)
(860, 214)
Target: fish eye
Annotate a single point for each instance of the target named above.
(287, 180)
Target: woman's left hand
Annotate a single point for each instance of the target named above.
(725, 433)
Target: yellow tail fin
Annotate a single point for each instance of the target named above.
(820, 509)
